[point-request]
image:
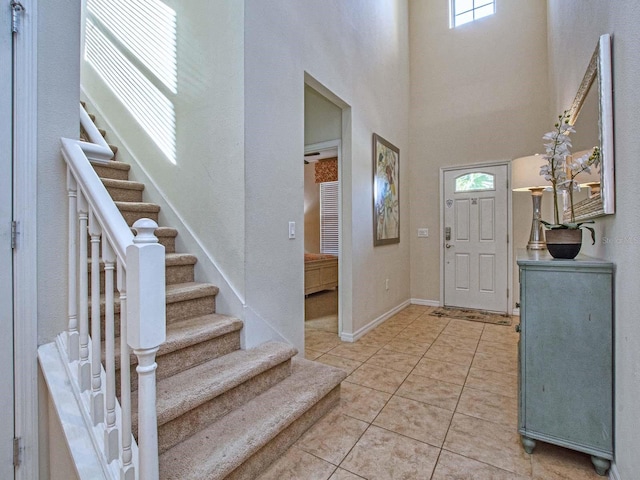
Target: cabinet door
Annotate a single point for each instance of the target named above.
(567, 356)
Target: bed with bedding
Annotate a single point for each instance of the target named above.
(320, 272)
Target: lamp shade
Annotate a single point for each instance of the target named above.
(525, 173)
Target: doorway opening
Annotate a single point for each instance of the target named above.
(322, 213)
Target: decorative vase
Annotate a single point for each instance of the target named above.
(564, 242)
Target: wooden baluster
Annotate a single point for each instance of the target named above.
(146, 332)
(73, 341)
(111, 429)
(97, 396)
(84, 367)
(127, 470)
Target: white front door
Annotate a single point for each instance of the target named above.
(6, 254)
(475, 238)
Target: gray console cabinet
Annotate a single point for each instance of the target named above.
(566, 355)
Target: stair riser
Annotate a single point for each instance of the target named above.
(173, 274)
(176, 430)
(131, 216)
(260, 461)
(195, 307)
(125, 194)
(180, 360)
(109, 172)
(169, 242)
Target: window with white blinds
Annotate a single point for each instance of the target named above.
(329, 234)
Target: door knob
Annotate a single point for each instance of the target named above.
(448, 245)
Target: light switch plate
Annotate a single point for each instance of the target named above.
(292, 229)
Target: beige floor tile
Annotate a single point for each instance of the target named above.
(375, 340)
(436, 322)
(404, 345)
(342, 363)
(311, 354)
(419, 336)
(332, 437)
(416, 420)
(431, 391)
(394, 360)
(452, 466)
(489, 443)
(501, 333)
(494, 382)
(495, 362)
(361, 402)
(489, 406)
(384, 455)
(296, 464)
(378, 378)
(449, 355)
(464, 328)
(497, 347)
(455, 341)
(320, 341)
(447, 372)
(354, 351)
(551, 462)
(341, 474)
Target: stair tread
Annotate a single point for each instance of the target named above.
(220, 448)
(172, 259)
(138, 206)
(125, 184)
(184, 333)
(113, 164)
(176, 292)
(180, 393)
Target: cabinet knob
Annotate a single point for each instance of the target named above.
(518, 328)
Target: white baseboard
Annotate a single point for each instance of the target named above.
(353, 337)
(613, 472)
(426, 303)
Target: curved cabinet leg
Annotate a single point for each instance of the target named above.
(601, 465)
(528, 443)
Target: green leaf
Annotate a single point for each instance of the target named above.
(593, 233)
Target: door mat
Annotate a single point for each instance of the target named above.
(472, 315)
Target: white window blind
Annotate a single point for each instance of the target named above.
(329, 234)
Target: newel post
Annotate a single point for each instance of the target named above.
(146, 316)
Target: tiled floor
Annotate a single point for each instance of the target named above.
(426, 398)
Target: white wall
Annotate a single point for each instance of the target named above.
(478, 94)
(206, 184)
(359, 51)
(574, 28)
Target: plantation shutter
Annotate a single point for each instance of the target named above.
(329, 236)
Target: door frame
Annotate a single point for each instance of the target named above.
(467, 166)
(25, 278)
(319, 147)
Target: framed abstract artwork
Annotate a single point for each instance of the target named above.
(386, 192)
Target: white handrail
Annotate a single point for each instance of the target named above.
(134, 267)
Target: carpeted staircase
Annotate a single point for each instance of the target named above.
(223, 412)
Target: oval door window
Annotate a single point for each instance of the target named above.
(475, 182)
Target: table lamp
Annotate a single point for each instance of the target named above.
(525, 177)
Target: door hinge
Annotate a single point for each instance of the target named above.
(17, 451)
(507, 293)
(14, 234)
(16, 11)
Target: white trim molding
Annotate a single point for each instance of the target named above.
(25, 261)
(426, 303)
(614, 474)
(348, 337)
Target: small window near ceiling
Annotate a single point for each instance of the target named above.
(465, 11)
(475, 182)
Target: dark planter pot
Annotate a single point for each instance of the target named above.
(564, 242)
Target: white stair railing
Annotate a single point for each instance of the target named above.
(134, 292)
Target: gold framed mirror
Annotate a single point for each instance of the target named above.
(591, 114)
